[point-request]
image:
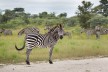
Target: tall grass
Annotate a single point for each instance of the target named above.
(77, 46)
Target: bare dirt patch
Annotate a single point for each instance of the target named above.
(85, 65)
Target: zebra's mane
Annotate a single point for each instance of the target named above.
(52, 29)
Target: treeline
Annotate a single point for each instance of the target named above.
(17, 16)
(87, 16)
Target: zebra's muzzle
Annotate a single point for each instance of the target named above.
(61, 37)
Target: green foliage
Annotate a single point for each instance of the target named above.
(62, 15)
(0, 18)
(11, 16)
(102, 8)
(76, 30)
(73, 21)
(47, 15)
(43, 15)
(84, 13)
(18, 10)
(46, 21)
(98, 20)
(7, 16)
(17, 17)
(13, 23)
(97, 9)
(34, 16)
(7, 26)
(17, 20)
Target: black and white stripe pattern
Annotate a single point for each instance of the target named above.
(96, 32)
(28, 30)
(43, 40)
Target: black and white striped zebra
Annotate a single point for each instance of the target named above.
(28, 30)
(43, 40)
(6, 31)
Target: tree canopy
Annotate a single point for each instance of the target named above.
(84, 13)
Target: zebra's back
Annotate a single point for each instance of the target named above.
(28, 30)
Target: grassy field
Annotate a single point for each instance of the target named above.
(76, 46)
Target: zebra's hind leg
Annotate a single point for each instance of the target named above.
(27, 55)
(50, 55)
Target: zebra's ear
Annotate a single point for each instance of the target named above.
(60, 26)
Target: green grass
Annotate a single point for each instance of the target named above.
(77, 46)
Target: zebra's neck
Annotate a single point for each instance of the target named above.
(53, 36)
(50, 39)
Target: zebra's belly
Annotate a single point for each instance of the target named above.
(34, 45)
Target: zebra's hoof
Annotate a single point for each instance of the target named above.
(27, 62)
(50, 62)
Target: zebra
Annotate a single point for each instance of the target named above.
(6, 31)
(88, 32)
(48, 27)
(28, 30)
(104, 31)
(98, 31)
(48, 39)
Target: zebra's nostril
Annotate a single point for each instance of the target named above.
(61, 37)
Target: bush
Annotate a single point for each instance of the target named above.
(98, 20)
(13, 23)
(73, 21)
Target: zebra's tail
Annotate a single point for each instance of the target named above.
(20, 48)
(21, 32)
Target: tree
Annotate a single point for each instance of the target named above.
(102, 8)
(8, 15)
(0, 17)
(97, 9)
(18, 10)
(98, 20)
(52, 15)
(34, 16)
(43, 15)
(73, 21)
(84, 13)
(62, 15)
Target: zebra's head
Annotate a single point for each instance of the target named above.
(57, 30)
(60, 31)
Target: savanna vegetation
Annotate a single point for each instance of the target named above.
(78, 45)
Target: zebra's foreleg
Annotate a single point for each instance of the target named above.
(27, 55)
(50, 55)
